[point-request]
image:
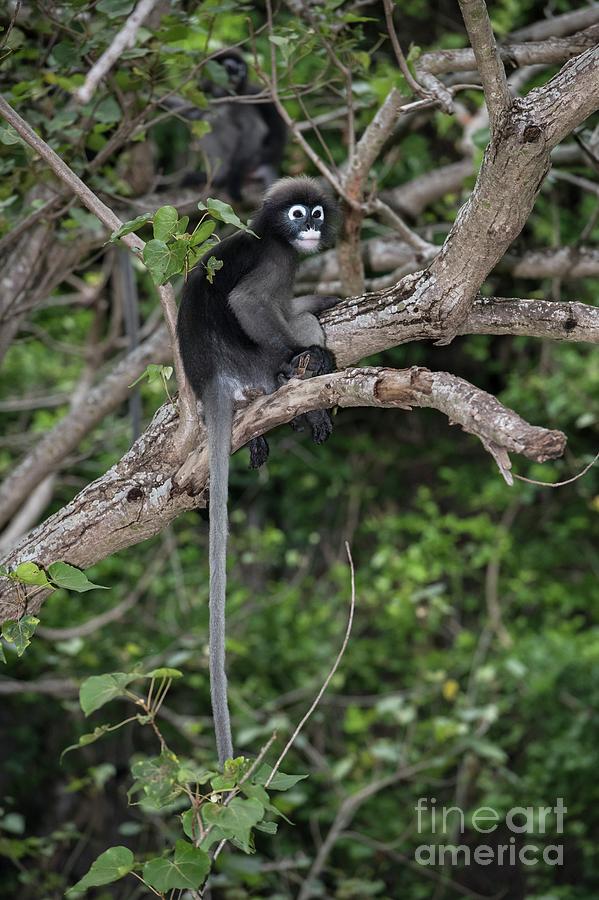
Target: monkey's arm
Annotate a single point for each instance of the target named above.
(313, 303)
(261, 317)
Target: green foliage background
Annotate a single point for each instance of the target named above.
(498, 717)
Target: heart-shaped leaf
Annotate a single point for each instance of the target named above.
(165, 222)
(187, 869)
(100, 689)
(109, 866)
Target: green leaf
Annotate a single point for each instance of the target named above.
(13, 822)
(281, 781)
(153, 372)
(164, 260)
(115, 8)
(29, 573)
(108, 111)
(178, 252)
(9, 136)
(190, 824)
(100, 689)
(212, 266)
(187, 869)
(89, 738)
(19, 633)
(481, 137)
(65, 576)
(235, 820)
(222, 211)
(164, 673)
(267, 827)
(2, 653)
(200, 128)
(157, 777)
(156, 256)
(278, 40)
(109, 866)
(165, 222)
(196, 253)
(202, 233)
(128, 227)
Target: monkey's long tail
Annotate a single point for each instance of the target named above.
(218, 410)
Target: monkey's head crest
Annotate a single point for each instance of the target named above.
(299, 211)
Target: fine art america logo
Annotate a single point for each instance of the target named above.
(520, 820)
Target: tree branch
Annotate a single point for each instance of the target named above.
(394, 257)
(558, 26)
(488, 61)
(49, 453)
(514, 167)
(550, 52)
(121, 42)
(155, 481)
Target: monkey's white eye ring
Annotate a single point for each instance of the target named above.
(318, 212)
(297, 212)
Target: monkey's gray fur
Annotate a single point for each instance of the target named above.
(244, 335)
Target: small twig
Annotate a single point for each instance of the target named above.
(123, 40)
(390, 217)
(346, 813)
(399, 56)
(559, 484)
(26, 223)
(327, 680)
(11, 24)
(271, 84)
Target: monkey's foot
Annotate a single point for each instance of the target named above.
(299, 423)
(321, 424)
(309, 363)
(258, 452)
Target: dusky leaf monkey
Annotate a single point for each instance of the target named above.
(241, 336)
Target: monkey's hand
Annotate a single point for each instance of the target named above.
(327, 301)
(309, 363)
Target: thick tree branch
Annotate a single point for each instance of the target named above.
(515, 164)
(549, 52)
(155, 481)
(534, 318)
(563, 262)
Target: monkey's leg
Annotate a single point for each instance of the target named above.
(313, 361)
(258, 447)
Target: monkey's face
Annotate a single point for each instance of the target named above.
(300, 212)
(304, 227)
